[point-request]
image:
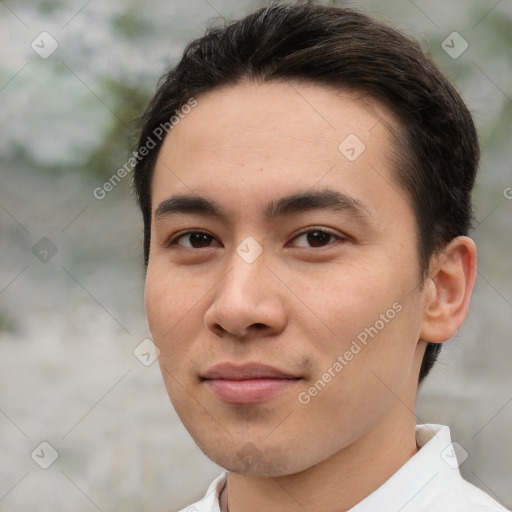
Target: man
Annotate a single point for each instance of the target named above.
(305, 181)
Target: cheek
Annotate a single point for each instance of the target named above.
(374, 322)
(167, 302)
(166, 313)
(368, 376)
(158, 304)
(174, 316)
(354, 301)
(168, 295)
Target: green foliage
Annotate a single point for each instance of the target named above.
(46, 7)
(131, 25)
(7, 322)
(127, 103)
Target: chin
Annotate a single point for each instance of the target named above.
(249, 460)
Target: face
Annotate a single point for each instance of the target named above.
(299, 277)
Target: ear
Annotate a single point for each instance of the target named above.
(448, 290)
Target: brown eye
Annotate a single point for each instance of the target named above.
(196, 240)
(317, 237)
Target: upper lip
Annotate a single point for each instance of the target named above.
(246, 371)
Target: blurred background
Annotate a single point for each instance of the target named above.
(74, 76)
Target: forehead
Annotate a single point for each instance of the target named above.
(252, 140)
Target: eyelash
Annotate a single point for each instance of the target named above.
(305, 232)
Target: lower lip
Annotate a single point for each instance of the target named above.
(249, 391)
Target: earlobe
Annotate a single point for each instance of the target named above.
(448, 290)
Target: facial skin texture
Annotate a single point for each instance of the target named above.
(298, 306)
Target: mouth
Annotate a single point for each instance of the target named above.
(247, 384)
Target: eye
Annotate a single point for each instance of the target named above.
(196, 239)
(200, 239)
(317, 237)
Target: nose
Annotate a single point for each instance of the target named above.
(247, 302)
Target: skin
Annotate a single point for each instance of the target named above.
(298, 306)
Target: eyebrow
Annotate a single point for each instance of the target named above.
(304, 201)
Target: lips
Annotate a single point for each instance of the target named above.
(246, 371)
(247, 384)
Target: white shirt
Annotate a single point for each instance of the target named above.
(430, 481)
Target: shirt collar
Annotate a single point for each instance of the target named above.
(430, 473)
(210, 502)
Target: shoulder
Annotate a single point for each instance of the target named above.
(478, 500)
(450, 490)
(466, 497)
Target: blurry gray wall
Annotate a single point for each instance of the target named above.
(73, 77)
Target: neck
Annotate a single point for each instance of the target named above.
(336, 484)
